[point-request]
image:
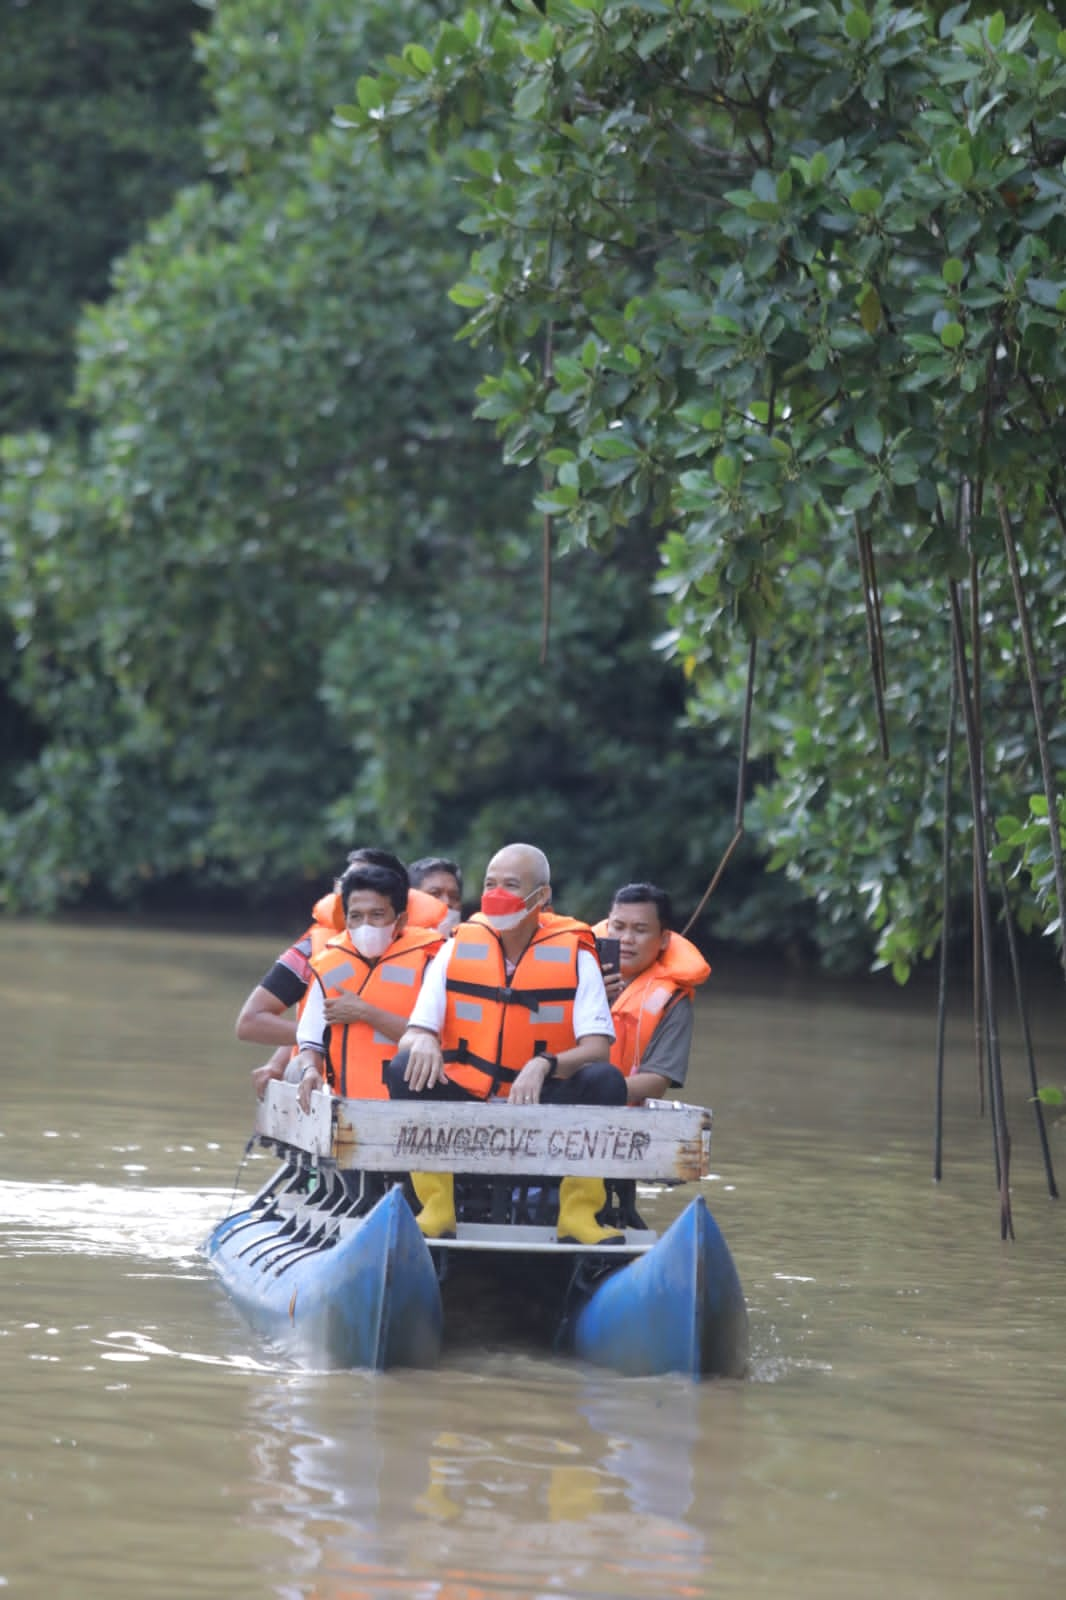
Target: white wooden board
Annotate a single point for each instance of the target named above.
(667, 1141)
(278, 1116)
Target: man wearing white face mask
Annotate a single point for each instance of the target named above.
(263, 1018)
(514, 1006)
(363, 987)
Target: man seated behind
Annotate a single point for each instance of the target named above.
(513, 1006)
(263, 1019)
(651, 993)
(362, 988)
(441, 878)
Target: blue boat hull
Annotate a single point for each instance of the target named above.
(371, 1299)
(678, 1308)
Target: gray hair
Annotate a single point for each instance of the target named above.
(533, 860)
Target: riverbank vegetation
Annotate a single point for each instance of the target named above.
(744, 321)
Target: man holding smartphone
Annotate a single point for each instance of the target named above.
(650, 974)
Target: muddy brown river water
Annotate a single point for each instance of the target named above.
(901, 1434)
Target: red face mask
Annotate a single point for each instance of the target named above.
(503, 910)
(502, 903)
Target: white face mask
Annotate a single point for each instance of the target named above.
(451, 919)
(372, 942)
(506, 922)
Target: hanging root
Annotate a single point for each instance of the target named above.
(742, 783)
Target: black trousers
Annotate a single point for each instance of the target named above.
(598, 1084)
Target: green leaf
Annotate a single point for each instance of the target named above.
(651, 41)
(952, 334)
(842, 456)
(368, 93)
(726, 471)
(997, 25)
(951, 19)
(612, 446)
(570, 374)
(563, 497)
(869, 434)
(866, 201)
(953, 271)
(1045, 291)
(870, 309)
(467, 294)
(1050, 1096)
(418, 57)
(480, 161)
(543, 46)
(859, 495)
(530, 98)
(858, 26)
(959, 165)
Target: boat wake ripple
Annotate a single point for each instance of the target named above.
(154, 1224)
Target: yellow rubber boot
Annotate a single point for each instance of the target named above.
(579, 1201)
(436, 1190)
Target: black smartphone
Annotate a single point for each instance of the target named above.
(609, 952)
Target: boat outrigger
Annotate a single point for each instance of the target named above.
(327, 1259)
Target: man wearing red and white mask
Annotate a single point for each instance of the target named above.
(514, 1007)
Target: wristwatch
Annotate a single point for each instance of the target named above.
(553, 1062)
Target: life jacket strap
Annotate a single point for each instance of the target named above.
(469, 1058)
(531, 999)
(462, 1055)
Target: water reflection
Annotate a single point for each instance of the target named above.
(94, 1219)
(579, 1486)
(153, 1445)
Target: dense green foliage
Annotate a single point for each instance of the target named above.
(804, 267)
(766, 302)
(281, 595)
(99, 103)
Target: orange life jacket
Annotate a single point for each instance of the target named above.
(494, 1024)
(356, 1054)
(318, 936)
(646, 999)
(423, 911)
